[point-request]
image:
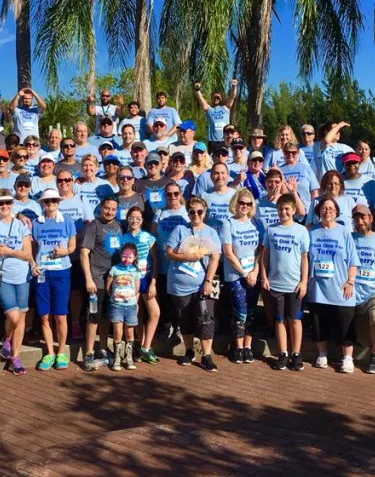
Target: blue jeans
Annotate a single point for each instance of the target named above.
(14, 297)
(244, 300)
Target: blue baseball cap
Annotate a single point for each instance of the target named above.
(200, 146)
(188, 124)
(112, 158)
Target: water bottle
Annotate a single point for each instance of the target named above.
(42, 276)
(204, 316)
(100, 362)
(93, 303)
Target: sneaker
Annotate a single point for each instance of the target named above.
(88, 362)
(6, 351)
(129, 363)
(282, 362)
(61, 362)
(321, 362)
(347, 366)
(208, 364)
(137, 355)
(116, 366)
(297, 363)
(248, 355)
(18, 369)
(237, 356)
(188, 359)
(371, 366)
(47, 362)
(103, 354)
(148, 356)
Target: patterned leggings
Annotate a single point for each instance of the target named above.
(244, 301)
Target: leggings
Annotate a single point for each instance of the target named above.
(244, 300)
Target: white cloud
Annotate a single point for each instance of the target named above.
(6, 37)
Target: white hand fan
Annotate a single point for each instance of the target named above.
(194, 243)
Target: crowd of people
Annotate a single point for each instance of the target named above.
(141, 226)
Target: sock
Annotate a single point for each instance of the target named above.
(349, 358)
(145, 349)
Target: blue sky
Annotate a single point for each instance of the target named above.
(283, 57)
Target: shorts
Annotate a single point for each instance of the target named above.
(77, 278)
(145, 283)
(338, 320)
(286, 305)
(117, 313)
(14, 297)
(102, 307)
(52, 296)
(364, 319)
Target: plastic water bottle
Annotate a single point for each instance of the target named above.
(100, 362)
(93, 303)
(42, 276)
(204, 316)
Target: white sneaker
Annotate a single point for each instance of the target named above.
(321, 362)
(347, 366)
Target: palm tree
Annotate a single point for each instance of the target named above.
(327, 35)
(23, 37)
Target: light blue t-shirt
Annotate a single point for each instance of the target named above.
(309, 152)
(31, 167)
(26, 122)
(50, 235)
(14, 270)
(346, 205)
(124, 156)
(186, 187)
(203, 184)
(143, 241)
(124, 284)
(38, 186)
(169, 114)
(217, 117)
(167, 220)
(88, 149)
(367, 169)
(277, 158)
(286, 246)
(180, 283)
(362, 190)
(245, 238)
(332, 252)
(365, 278)
(94, 192)
(8, 182)
(78, 209)
(139, 124)
(152, 144)
(97, 140)
(306, 181)
(330, 158)
(31, 209)
(218, 208)
(267, 212)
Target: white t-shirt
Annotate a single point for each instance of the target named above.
(106, 111)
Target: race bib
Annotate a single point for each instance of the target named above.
(324, 269)
(49, 263)
(155, 197)
(114, 242)
(219, 125)
(365, 276)
(248, 263)
(123, 213)
(191, 268)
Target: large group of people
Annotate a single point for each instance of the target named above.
(142, 228)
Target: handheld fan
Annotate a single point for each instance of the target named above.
(194, 243)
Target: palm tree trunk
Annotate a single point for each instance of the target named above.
(23, 45)
(142, 71)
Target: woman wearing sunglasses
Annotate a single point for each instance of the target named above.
(54, 239)
(19, 158)
(7, 178)
(241, 237)
(127, 196)
(200, 159)
(178, 173)
(147, 262)
(189, 281)
(163, 224)
(15, 253)
(32, 144)
(46, 178)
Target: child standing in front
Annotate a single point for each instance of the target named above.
(123, 288)
(284, 272)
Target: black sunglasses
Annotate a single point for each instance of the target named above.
(172, 194)
(50, 201)
(196, 212)
(22, 156)
(65, 179)
(67, 146)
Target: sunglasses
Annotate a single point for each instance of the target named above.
(152, 163)
(162, 153)
(23, 184)
(172, 194)
(107, 123)
(6, 202)
(4, 159)
(67, 146)
(111, 163)
(159, 125)
(307, 134)
(31, 144)
(291, 153)
(258, 159)
(178, 160)
(106, 95)
(22, 156)
(50, 201)
(193, 212)
(126, 178)
(65, 179)
(106, 148)
(245, 204)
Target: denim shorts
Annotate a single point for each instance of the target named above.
(14, 297)
(117, 313)
(52, 296)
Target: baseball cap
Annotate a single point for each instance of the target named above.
(221, 150)
(160, 119)
(22, 178)
(350, 157)
(106, 119)
(138, 145)
(4, 153)
(188, 124)
(178, 154)
(162, 149)
(230, 127)
(200, 146)
(153, 157)
(46, 157)
(255, 155)
(106, 143)
(361, 209)
(237, 143)
(257, 133)
(111, 157)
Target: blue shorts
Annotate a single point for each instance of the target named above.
(52, 296)
(117, 313)
(14, 297)
(145, 283)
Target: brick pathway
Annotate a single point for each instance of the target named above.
(165, 420)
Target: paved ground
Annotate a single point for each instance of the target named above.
(165, 420)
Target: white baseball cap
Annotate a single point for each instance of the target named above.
(49, 194)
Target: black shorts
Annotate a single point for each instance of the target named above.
(286, 305)
(338, 320)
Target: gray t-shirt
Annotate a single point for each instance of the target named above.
(75, 168)
(125, 203)
(104, 242)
